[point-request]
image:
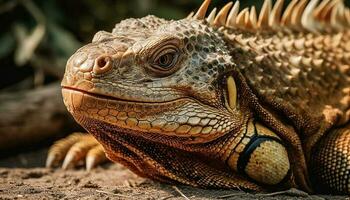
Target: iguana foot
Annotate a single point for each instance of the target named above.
(73, 149)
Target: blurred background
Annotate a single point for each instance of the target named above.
(36, 39)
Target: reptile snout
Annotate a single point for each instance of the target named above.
(94, 62)
(98, 63)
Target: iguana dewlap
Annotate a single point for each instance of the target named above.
(232, 100)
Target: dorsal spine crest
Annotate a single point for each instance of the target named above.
(304, 16)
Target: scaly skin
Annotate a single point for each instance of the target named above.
(216, 103)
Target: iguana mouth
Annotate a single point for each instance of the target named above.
(108, 97)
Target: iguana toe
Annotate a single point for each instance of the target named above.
(60, 148)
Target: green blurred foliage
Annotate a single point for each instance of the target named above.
(40, 35)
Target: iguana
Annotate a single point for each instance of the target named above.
(226, 100)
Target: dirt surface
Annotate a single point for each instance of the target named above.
(23, 177)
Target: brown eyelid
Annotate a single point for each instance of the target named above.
(153, 46)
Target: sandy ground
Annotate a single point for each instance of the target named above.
(23, 177)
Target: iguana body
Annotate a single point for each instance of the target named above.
(230, 101)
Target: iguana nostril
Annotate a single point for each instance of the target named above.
(102, 64)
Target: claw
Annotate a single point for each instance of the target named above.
(94, 157)
(78, 151)
(51, 160)
(69, 160)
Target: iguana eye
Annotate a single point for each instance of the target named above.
(165, 58)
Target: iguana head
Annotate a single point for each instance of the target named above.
(158, 76)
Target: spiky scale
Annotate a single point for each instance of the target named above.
(287, 15)
(275, 17)
(211, 16)
(202, 10)
(231, 19)
(220, 19)
(252, 22)
(242, 18)
(264, 15)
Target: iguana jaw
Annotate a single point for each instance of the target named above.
(165, 161)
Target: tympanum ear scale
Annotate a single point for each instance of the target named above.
(231, 92)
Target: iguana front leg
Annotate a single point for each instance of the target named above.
(74, 149)
(331, 162)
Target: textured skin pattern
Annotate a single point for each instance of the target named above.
(331, 162)
(205, 105)
(310, 73)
